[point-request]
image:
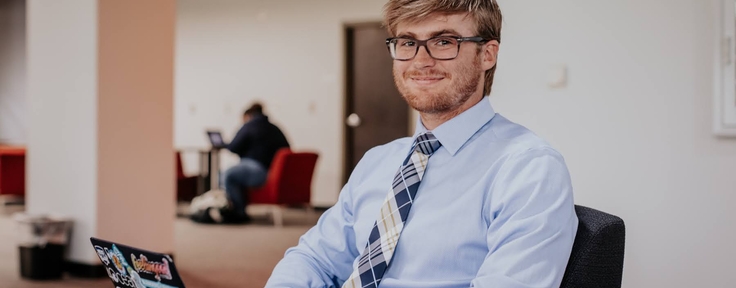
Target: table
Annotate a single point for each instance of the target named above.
(209, 168)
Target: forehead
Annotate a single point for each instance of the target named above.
(461, 23)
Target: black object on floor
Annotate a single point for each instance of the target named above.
(42, 263)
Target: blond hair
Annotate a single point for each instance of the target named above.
(485, 12)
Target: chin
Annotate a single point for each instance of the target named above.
(427, 103)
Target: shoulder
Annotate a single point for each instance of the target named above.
(519, 142)
(526, 166)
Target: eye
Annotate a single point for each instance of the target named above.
(444, 41)
(406, 43)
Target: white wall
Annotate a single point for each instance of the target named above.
(633, 123)
(62, 121)
(289, 54)
(12, 71)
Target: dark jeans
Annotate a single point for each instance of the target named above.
(247, 173)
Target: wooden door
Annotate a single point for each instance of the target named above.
(375, 112)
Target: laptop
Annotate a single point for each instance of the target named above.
(130, 267)
(216, 139)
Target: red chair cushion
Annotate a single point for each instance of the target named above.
(289, 179)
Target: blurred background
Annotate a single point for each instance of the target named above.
(100, 99)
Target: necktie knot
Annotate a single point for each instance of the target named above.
(427, 143)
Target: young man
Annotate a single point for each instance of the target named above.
(495, 204)
(255, 143)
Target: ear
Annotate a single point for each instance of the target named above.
(490, 54)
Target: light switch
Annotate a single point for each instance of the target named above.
(557, 77)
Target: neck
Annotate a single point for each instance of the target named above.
(434, 120)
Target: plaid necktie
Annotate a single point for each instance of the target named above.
(385, 234)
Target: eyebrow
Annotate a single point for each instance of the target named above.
(434, 34)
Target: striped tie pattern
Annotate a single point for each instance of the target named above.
(384, 236)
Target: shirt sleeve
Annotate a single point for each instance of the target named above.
(532, 222)
(325, 254)
(241, 141)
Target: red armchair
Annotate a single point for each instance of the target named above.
(12, 171)
(186, 186)
(289, 182)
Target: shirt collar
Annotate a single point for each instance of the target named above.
(259, 117)
(455, 132)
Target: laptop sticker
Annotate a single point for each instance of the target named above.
(159, 269)
(140, 269)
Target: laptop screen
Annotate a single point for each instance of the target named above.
(216, 139)
(130, 267)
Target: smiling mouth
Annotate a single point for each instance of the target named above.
(426, 80)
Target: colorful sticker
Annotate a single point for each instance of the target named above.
(113, 275)
(118, 260)
(103, 255)
(160, 269)
(135, 279)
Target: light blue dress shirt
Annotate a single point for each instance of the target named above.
(494, 209)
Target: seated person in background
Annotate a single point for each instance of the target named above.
(477, 201)
(256, 143)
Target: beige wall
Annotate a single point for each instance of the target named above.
(136, 187)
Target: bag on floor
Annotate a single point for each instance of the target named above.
(209, 207)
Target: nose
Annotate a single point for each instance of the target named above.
(422, 59)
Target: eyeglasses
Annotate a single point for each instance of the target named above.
(439, 48)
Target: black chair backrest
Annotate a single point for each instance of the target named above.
(597, 258)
